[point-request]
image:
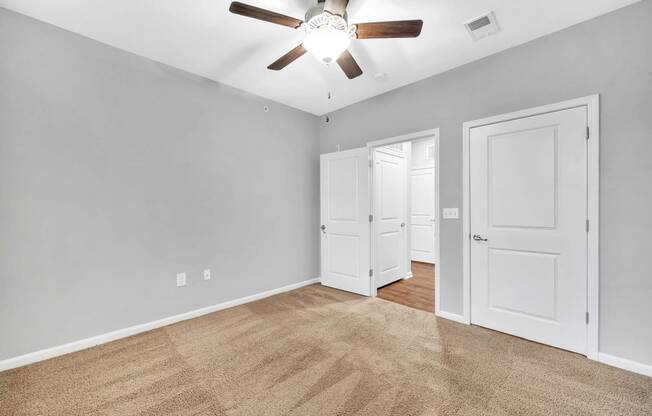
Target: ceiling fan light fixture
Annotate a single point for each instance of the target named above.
(327, 36)
(328, 33)
(326, 44)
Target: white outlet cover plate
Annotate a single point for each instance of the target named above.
(181, 279)
(207, 274)
(451, 213)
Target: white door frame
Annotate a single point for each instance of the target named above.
(434, 133)
(592, 103)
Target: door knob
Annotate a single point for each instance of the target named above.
(323, 229)
(402, 225)
(479, 238)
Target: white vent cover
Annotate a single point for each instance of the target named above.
(482, 26)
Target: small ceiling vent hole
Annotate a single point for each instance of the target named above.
(482, 26)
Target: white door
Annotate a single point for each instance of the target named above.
(345, 238)
(528, 227)
(390, 207)
(423, 216)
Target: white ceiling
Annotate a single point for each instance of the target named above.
(202, 37)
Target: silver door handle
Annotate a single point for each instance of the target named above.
(479, 238)
(402, 225)
(323, 229)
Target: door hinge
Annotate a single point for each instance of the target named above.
(588, 132)
(371, 272)
(371, 217)
(587, 226)
(587, 318)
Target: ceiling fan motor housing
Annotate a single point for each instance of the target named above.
(319, 9)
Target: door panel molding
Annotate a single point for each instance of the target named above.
(593, 135)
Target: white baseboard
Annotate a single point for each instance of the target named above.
(612, 360)
(82, 344)
(33, 357)
(451, 316)
(408, 276)
(625, 364)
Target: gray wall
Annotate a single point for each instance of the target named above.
(612, 56)
(116, 172)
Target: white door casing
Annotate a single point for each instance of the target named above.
(528, 193)
(390, 215)
(345, 229)
(423, 215)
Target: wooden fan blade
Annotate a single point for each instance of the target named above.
(349, 65)
(336, 6)
(288, 58)
(396, 29)
(262, 14)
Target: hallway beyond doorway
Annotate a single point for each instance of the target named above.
(417, 292)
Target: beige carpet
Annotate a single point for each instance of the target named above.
(318, 351)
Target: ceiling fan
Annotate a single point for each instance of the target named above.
(328, 32)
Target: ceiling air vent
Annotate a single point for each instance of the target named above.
(482, 26)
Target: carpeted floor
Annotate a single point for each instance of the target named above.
(318, 351)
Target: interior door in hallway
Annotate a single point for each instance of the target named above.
(390, 207)
(423, 215)
(528, 227)
(345, 230)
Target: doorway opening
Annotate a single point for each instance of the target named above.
(405, 219)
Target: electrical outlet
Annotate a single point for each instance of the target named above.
(207, 274)
(451, 213)
(181, 279)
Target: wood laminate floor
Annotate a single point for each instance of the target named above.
(417, 292)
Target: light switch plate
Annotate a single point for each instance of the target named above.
(181, 279)
(451, 213)
(207, 274)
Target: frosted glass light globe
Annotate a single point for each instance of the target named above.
(326, 43)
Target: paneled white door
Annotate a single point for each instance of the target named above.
(345, 229)
(423, 216)
(528, 227)
(390, 207)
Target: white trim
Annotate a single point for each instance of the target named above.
(411, 137)
(592, 102)
(408, 276)
(437, 162)
(625, 364)
(83, 344)
(593, 214)
(466, 231)
(450, 316)
(404, 138)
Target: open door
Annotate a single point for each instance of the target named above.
(390, 215)
(345, 226)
